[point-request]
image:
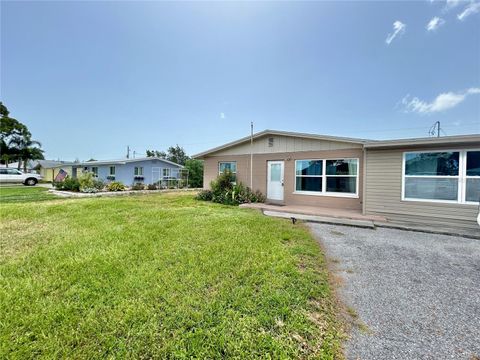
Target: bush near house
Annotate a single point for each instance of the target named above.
(69, 184)
(116, 186)
(138, 186)
(224, 190)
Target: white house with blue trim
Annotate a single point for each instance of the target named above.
(149, 170)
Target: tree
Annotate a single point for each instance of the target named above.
(195, 172)
(156, 153)
(175, 154)
(16, 140)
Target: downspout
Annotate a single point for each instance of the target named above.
(251, 155)
(364, 183)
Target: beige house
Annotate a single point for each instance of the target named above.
(427, 180)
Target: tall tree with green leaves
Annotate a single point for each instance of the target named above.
(195, 173)
(175, 154)
(16, 140)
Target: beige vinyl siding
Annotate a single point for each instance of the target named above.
(282, 144)
(383, 190)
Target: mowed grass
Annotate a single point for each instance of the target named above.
(160, 276)
(21, 193)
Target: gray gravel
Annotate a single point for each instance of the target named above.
(418, 294)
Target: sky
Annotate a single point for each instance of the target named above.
(90, 78)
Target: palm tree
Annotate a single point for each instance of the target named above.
(28, 150)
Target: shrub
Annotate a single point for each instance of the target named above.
(98, 184)
(225, 191)
(138, 186)
(86, 180)
(205, 195)
(116, 186)
(69, 184)
(152, 187)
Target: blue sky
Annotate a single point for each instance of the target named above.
(90, 78)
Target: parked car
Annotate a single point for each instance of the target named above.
(8, 175)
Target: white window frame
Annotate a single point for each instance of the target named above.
(169, 171)
(461, 177)
(225, 162)
(324, 176)
(138, 171)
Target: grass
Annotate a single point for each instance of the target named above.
(17, 194)
(160, 276)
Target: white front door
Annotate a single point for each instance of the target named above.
(275, 180)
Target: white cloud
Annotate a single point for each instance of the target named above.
(222, 115)
(435, 23)
(398, 29)
(442, 102)
(472, 8)
(450, 4)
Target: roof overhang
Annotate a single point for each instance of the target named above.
(279, 133)
(123, 162)
(457, 140)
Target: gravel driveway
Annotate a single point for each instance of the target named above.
(417, 294)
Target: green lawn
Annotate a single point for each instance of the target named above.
(160, 276)
(21, 193)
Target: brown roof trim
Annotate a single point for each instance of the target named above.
(443, 140)
(280, 133)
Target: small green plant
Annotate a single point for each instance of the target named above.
(116, 186)
(152, 187)
(69, 184)
(138, 186)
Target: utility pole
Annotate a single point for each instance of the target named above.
(128, 152)
(432, 130)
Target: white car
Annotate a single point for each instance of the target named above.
(8, 175)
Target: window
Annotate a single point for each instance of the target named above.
(446, 176)
(342, 176)
(230, 165)
(166, 173)
(337, 177)
(3, 172)
(138, 171)
(432, 175)
(308, 175)
(112, 171)
(472, 177)
(95, 170)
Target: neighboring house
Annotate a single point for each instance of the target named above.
(49, 169)
(426, 180)
(149, 170)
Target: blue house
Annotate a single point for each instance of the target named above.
(149, 170)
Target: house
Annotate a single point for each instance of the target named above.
(49, 169)
(425, 180)
(149, 170)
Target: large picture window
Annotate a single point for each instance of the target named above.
(337, 177)
(451, 176)
(472, 177)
